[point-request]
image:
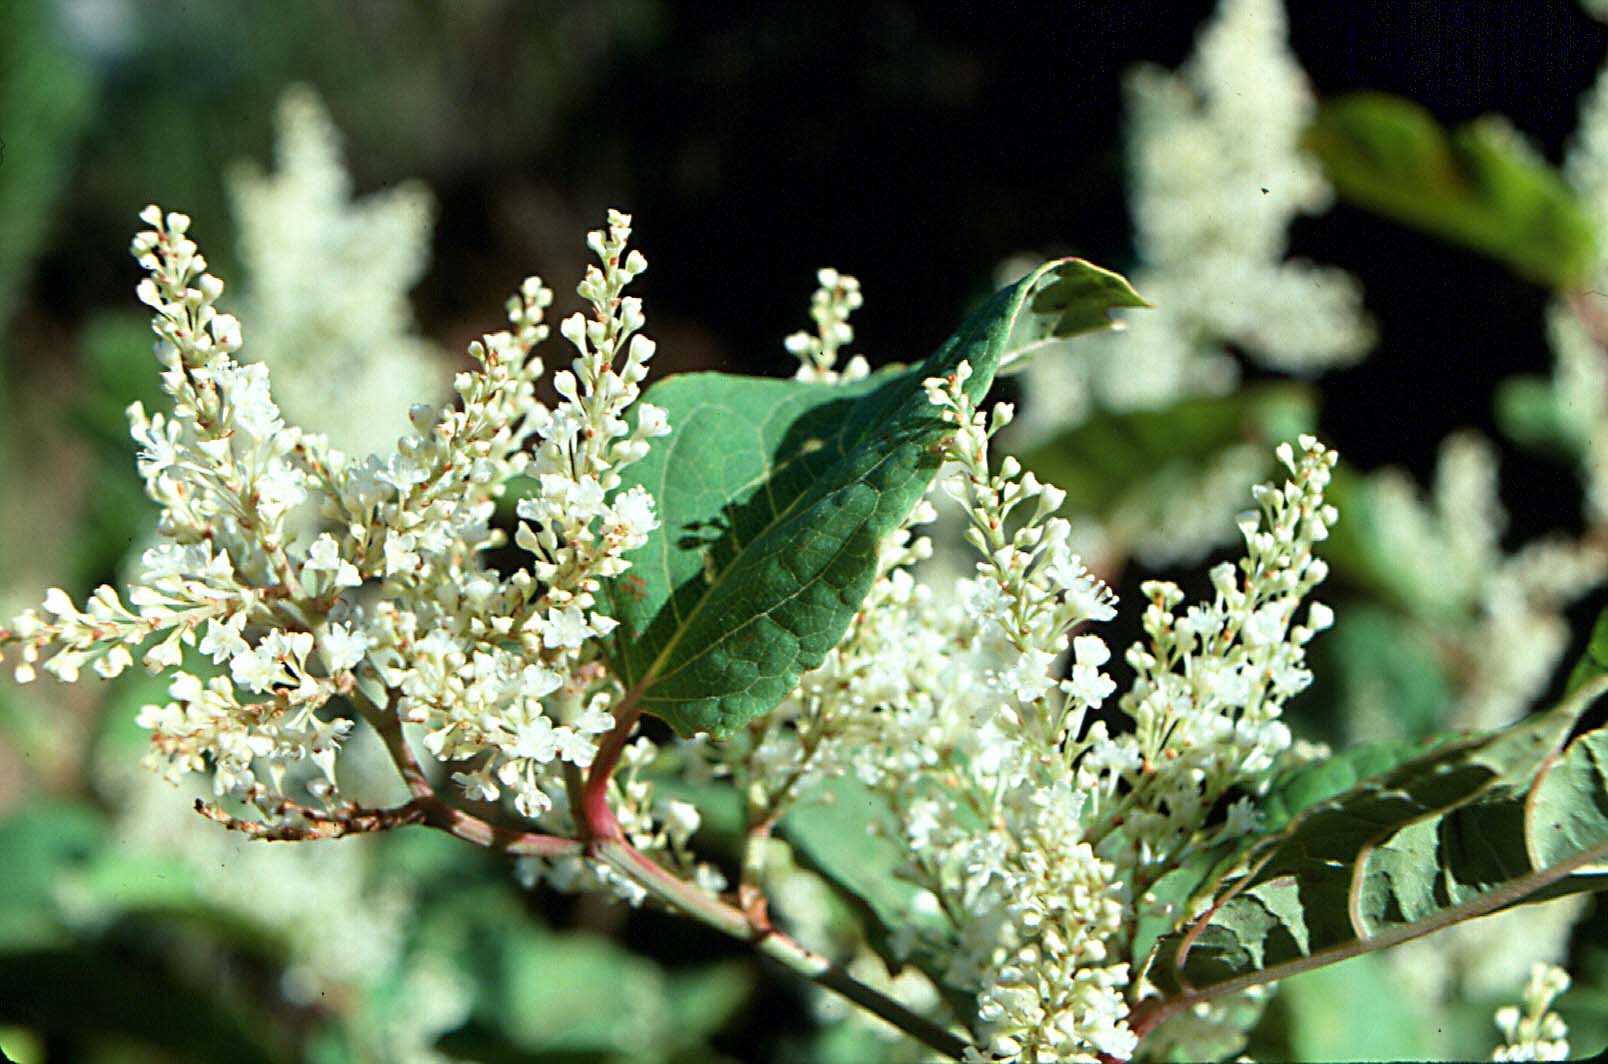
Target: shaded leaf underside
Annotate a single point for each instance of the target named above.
(1471, 827)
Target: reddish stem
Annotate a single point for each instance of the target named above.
(438, 813)
(597, 819)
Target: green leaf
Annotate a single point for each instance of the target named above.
(1300, 789)
(1594, 662)
(47, 96)
(1585, 1006)
(1528, 413)
(845, 833)
(1475, 186)
(550, 995)
(1289, 794)
(1474, 826)
(703, 1000)
(774, 495)
(1114, 466)
(84, 994)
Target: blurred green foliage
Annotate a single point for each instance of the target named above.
(46, 94)
(1478, 185)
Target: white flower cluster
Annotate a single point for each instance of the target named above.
(1212, 683)
(539, 703)
(1030, 590)
(1536, 1033)
(1009, 804)
(1447, 567)
(1580, 374)
(387, 604)
(837, 296)
(1218, 174)
(326, 281)
(1578, 327)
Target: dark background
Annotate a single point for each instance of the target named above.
(912, 144)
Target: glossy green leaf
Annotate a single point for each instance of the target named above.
(1474, 186)
(1475, 825)
(1115, 466)
(774, 495)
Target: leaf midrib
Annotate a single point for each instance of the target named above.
(652, 675)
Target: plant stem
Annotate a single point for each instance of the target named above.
(605, 842)
(436, 812)
(595, 817)
(729, 920)
(750, 890)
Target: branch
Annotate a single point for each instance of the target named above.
(606, 843)
(597, 821)
(1150, 1013)
(438, 813)
(729, 920)
(348, 819)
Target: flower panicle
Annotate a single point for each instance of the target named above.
(837, 295)
(1030, 590)
(305, 577)
(1535, 1032)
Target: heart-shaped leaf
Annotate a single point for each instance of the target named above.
(775, 495)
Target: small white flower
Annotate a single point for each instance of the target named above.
(343, 647)
(577, 749)
(255, 669)
(595, 719)
(1028, 677)
(224, 640)
(1265, 626)
(566, 628)
(535, 740)
(634, 512)
(1243, 817)
(538, 681)
(399, 554)
(681, 820)
(1089, 685)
